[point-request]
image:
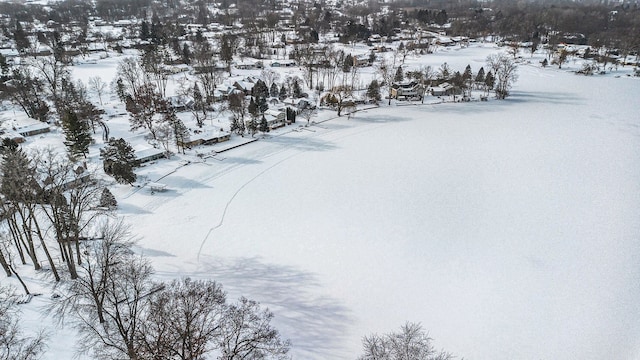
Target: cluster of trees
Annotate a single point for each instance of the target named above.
(411, 342)
(43, 88)
(14, 345)
(121, 312)
(553, 22)
(48, 200)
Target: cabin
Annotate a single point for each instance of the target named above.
(35, 129)
(441, 90)
(146, 155)
(283, 63)
(206, 138)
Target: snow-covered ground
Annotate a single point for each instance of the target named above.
(509, 229)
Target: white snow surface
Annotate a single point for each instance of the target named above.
(508, 229)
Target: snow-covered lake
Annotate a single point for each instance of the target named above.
(508, 229)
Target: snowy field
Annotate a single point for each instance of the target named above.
(508, 229)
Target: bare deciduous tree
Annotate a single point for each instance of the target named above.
(247, 334)
(184, 320)
(410, 343)
(98, 86)
(13, 344)
(504, 70)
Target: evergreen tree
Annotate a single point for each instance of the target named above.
(347, 63)
(467, 75)
(373, 91)
(186, 54)
(119, 159)
(77, 134)
(252, 126)
(226, 51)
(180, 133)
(260, 90)
(107, 200)
(399, 75)
(263, 127)
(489, 81)
(480, 76)
(283, 92)
(295, 89)
(253, 108)
(274, 90)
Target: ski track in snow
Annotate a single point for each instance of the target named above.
(282, 149)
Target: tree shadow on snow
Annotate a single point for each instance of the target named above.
(313, 322)
(554, 98)
(373, 118)
(180, 182)
(303, 144)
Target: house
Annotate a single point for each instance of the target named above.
(406, 89)
(145, 155)
(249, 65)
(441, 90)
(12, 135)
(35, 129)
(361, 60)
(206, 138)
(180, 102)
(283, 63)
(244, 86)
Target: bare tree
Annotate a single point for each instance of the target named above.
(13, 344)
(338, 98)
(505, 72)
(184, 320)
(269, 76)
(70, 198)
(143, 108)
(109, 301)
(25, 90)
(98, 86)
(22, 192)
(247, 333)
(151, 63)
(238, 109)
(410, 343)
(386, 71)
(131, 75)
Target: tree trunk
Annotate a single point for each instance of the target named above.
(46, 252)
(70, 263)
(24, 286)
(16, 236)
(5, 264)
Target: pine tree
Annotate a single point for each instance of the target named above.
(467, 75)
(77, 134)
(489, 81)
(252, 126)
(260, 90)
(274, 90)
(107, 200)
(347, 63)
(226, 52)
(296, 90)
(119, 160)
(399, 75)
(480, 76)
(253, 108)
(263, 127)
(283, 92)
(373, 91)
